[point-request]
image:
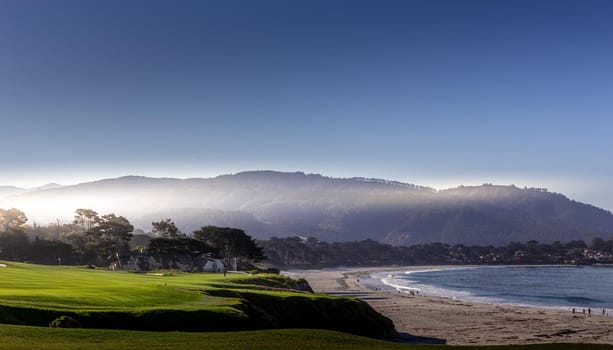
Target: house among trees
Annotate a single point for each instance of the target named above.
(206, 250)
(142, 261)
(214, 265)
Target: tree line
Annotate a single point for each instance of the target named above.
(105, 239)
(297, 252)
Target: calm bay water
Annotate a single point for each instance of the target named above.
(550, 286)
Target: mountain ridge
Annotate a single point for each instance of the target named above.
(270, 203)
(6, 191)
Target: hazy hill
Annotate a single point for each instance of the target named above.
(6, 191)
(10, 190)
(267, 203)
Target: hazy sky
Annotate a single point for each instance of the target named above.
(425, 91)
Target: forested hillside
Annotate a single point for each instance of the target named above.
(269, 204)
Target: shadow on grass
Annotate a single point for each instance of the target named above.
(406, 338)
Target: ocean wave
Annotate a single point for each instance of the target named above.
(439, 269)
(398, 285)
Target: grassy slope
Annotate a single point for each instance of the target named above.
(76, 288)
(36, 294)
(25, 337)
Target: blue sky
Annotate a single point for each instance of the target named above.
(432, 92)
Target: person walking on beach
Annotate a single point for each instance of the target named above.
(589, 311)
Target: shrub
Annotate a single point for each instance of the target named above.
(65, 322)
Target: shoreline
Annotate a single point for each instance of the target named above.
(456, 321)
(373, 283)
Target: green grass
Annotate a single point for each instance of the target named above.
(77, 288)
(36, 295)
(25, 337)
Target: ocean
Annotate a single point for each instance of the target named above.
(563, 287)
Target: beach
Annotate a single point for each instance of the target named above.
(459, 322)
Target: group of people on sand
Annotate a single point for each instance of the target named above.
(589, 311)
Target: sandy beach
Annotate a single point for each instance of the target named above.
(460, 322)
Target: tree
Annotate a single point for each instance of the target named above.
(576, 244)
(100, 239)
(609, 246)
(110, 236)
(51, 252)
(231, 243)
(86, 218)
(79, 237)
(165, 228)
(13, 241)
(12, 220)
(599, 244)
